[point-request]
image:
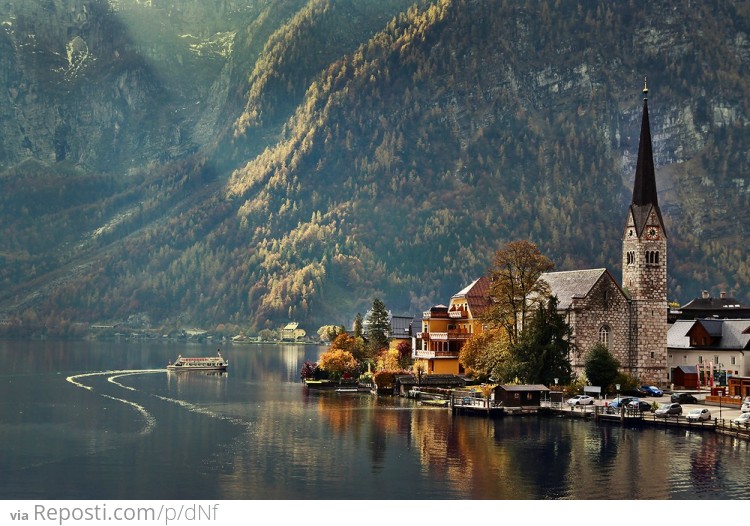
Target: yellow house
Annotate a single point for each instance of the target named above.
(445, 329)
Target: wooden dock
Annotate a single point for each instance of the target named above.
(465, 404)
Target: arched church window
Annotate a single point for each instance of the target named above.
(604, 335)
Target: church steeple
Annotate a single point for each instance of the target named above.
(644, 268)
(644, 189)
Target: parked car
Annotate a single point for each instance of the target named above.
(698, 414)
(666, 410)
(746, 405)
(635, 391)
(614, 406)
(684, 398)
(743, 419)
(639, 405)
(652, 390)
(581, 400)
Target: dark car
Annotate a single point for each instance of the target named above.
(636, 391)
(639, 406)
(684, 398)
(666, 410)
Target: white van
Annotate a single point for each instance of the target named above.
(746, 405)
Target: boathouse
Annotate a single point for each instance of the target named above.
(520, 395)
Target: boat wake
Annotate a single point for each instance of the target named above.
(150, 421)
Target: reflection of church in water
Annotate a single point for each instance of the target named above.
(629, 318)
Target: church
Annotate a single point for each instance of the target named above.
(630, 317)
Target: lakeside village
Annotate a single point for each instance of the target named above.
(525, 338)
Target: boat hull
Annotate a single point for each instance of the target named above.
(180, 368)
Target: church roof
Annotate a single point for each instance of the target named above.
(644, 189)
(571, 284)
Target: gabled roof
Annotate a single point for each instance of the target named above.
(729, 334)
(477, 295)
(677, 337)
(712, 327)
(689, 369)
(571, 284)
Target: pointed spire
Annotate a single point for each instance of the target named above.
(644, 189)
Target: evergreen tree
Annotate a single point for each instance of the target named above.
(601, 367)
(358, 321)
(378, 327)
(542, 354)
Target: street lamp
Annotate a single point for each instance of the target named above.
(617, 386)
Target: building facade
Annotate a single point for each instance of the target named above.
(445, 329)
(717, 347)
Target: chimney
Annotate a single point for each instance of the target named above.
(723, 295)
(706, 295)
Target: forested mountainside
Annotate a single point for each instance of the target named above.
(241, 164)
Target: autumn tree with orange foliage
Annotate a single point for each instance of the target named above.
(352, 344)
(516, 289)
(338, 363)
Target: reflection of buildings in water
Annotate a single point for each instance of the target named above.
(461, 453)
(607, 455)
(292, 356)
(704, 462)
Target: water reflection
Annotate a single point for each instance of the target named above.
(256, 432)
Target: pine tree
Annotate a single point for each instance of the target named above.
(542, 354)
(378, 327)
(358, 321)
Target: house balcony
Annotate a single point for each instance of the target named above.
(419, 353)
(444, 336)
(458, 314)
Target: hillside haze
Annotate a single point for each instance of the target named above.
(235, 165)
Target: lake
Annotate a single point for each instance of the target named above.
(104, 420)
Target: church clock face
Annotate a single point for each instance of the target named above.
(652, 233)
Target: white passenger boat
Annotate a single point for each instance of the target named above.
(217, 363)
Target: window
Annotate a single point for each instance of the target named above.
(652, 257)
(716, 359)
(684, 359)
(733, 360)
(604, 335)
(652, 355)
(700, 359)
(631, 258)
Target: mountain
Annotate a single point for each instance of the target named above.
(238, 164)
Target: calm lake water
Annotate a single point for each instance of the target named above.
(84, 420)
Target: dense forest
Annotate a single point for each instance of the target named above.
(332, 152)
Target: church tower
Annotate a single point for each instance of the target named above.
(644, 269)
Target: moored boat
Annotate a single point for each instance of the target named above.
(216, 363)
